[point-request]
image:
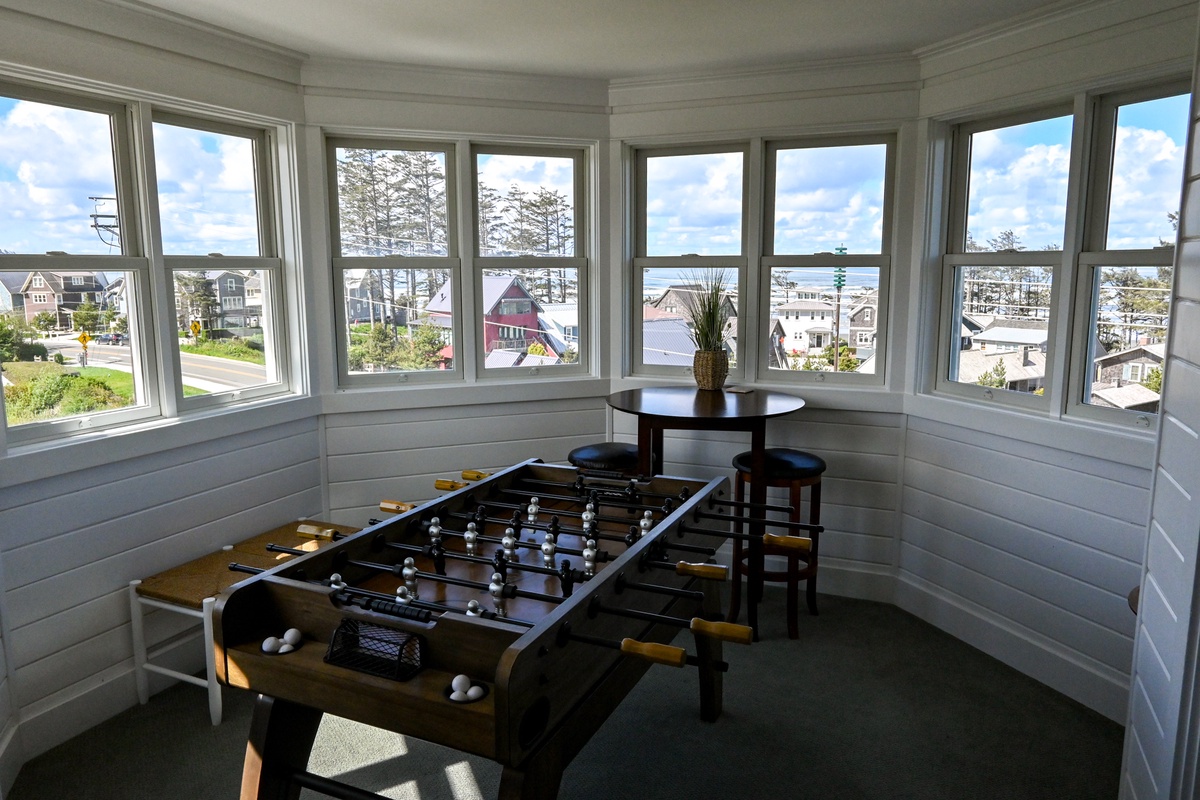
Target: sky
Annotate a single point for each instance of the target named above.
(52, 159)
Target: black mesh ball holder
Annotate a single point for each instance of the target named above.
(375, 650)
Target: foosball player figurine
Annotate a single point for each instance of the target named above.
(496, 587)
(531, 513)
(589, 558)
(402, 596)
(509, 542)
(435, 532)
(470, 536)
(548, 548)
(646, 523)
(409, 574)
(473, 609)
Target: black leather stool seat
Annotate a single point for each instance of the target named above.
(783, 464)
(605, 456)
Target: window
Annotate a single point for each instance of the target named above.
(806, 251)
(63, 161)
(529, 236)
(1009, 221)
(691, 228)
(212, 205)
(826, 259)
(1016, 248)
(401, 282)
(1126, 266)
(395, 259)
(77, 236)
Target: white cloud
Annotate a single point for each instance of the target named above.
(51, 160)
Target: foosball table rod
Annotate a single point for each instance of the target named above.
(654, 652)
(724, 631)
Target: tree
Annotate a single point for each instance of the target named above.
(195, 298)
(45, 321)
(9, 339)
(86, 316)
(996, 377)
(1153, 380)
(1133, 306)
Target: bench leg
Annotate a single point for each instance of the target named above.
(210, 662)
(139, 644)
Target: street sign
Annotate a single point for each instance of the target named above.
(83, 339)
(195, 327)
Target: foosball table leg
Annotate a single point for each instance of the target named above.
(538, 779)
(281, 739)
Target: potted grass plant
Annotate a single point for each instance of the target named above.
(708, 310)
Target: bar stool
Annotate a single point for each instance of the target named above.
(793, 470)
(616, 457)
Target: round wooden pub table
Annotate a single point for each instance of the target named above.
(660, 408)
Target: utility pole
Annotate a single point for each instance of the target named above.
(839, 281)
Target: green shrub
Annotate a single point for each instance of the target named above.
(27, 352)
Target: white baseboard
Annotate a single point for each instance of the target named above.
(68, 713)
(1096, 686)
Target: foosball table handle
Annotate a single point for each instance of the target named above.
(711, 572)
(314, 532)
(395, 506)
(655, 652)
(725, 631)
(474, 475)
(799, 544)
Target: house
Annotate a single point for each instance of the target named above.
(1022, 370)
(1013, 334)
(864, 321)
(511, 317)
(60, 294)
(1018, 524)
(11, 298)
(675, 299)
(1129, 366)
(807, 324)
(230, 291)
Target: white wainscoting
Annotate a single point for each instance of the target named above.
(70, 544)
(397, 455)
(1026, 552)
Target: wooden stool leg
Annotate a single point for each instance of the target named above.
(793, 571)
(735, 589)
(814, 518)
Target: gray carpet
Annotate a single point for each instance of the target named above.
(869, 703)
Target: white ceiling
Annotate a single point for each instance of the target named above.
(606, 39)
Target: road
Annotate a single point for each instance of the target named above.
(206, 373)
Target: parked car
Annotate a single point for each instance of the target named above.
(111, 338)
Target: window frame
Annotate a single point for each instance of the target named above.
(579, 261)
(881, 261)
(739, 263)
(1094, 255)
(956, 256)
(1075, 270)
(267, 263)
(131, 263)
(149, 296)
(341, 264)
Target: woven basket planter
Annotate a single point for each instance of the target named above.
(710, 368)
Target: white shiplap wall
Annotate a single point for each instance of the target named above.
(397, 454)
(1027, 552)
(1162, 742)
(70, 544)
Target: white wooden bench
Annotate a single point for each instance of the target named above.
(192, 588)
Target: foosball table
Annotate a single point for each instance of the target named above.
(506, 619)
